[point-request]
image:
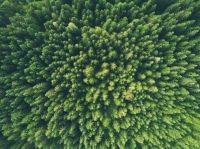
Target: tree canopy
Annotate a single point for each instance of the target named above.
(100, 74)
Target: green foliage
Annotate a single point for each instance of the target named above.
(107, 74)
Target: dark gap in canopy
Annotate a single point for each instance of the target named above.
(162, 5)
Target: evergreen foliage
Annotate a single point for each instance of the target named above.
(100, 74)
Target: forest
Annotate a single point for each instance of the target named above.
(99, 74)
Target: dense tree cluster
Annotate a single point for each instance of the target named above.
(100, 74)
